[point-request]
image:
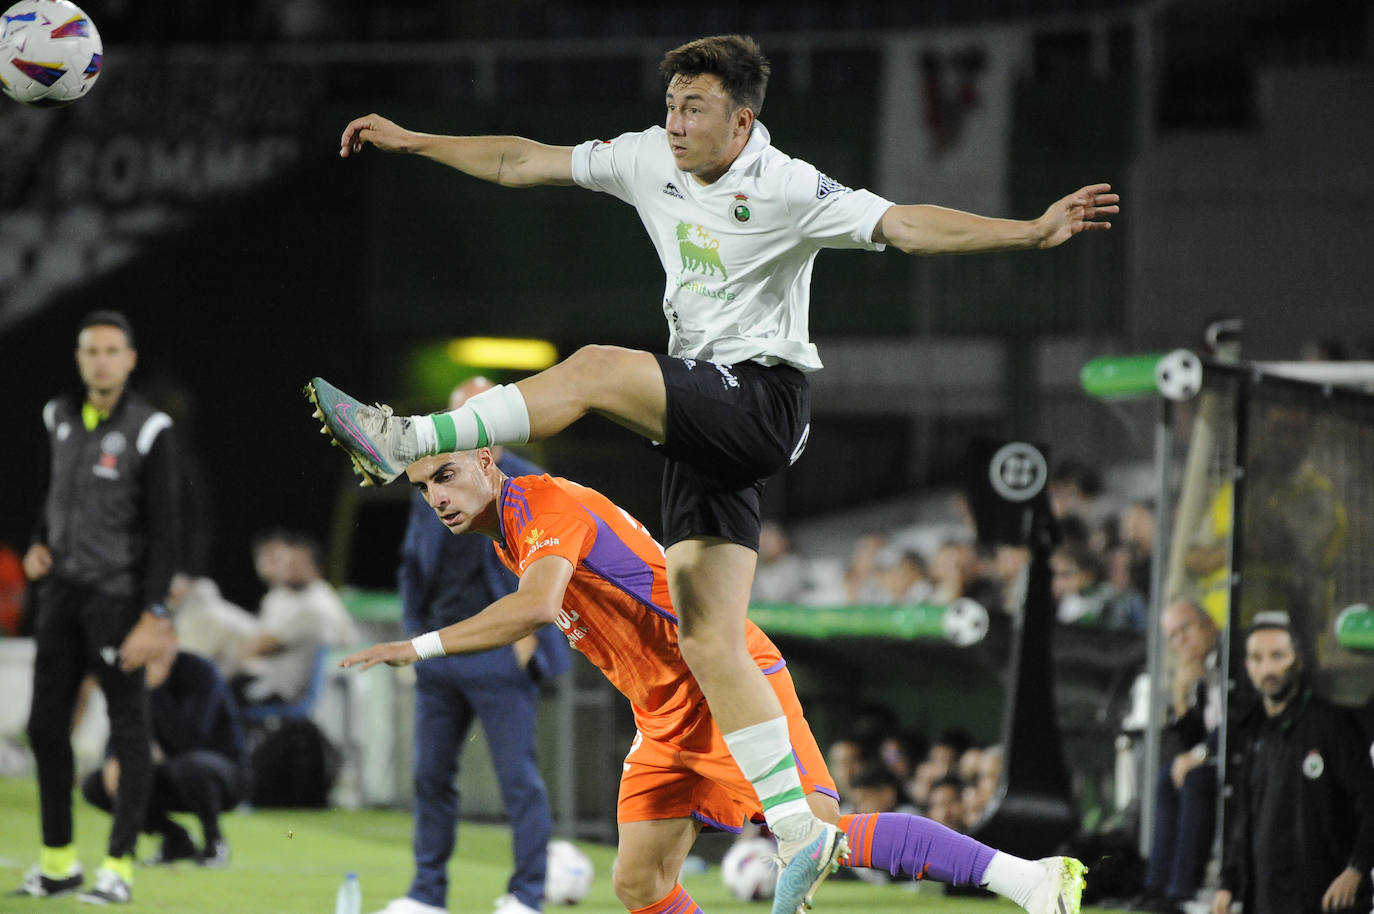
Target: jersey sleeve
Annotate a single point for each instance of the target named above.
(610, 166)
(830, 214)
(556, 525)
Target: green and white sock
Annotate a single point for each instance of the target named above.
(763, 753)
(496, 416)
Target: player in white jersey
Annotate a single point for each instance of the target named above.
(737, 252)
(737, 225)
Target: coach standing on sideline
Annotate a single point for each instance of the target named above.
(1303, 837)
(105, 547)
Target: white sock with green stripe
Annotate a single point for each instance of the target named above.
(496, 416)
(763, 753)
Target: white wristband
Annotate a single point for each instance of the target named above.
(428, 645)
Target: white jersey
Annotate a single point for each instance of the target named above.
(737, 252)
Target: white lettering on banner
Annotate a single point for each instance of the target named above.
(125, 168)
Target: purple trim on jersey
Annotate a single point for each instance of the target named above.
(616, 563)
(712, 823)
(769, 671)
(513, 500)
(827, 791)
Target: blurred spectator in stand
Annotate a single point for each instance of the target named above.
(1083, 597)
(780, 575)
(904, 579)
(871, 721)
(1185, 801)
(875, 790)
(1073, 491)
(861, 575)
(12, 586)
(209, 625)
(1127, 603)
(300, 615)
(956, 572)
(946, 803)
(901, 751)
(200, 758)
(846, 757)
(941, 761)
(1138, 539)
(1301, 840)
(979, 792)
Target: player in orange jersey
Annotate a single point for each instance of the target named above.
(592, 569)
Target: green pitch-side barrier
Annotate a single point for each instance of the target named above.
(963, 622)
(1355, 628)
(1112, 376)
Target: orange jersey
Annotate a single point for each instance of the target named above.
(616, 609)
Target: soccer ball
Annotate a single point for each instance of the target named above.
(568, 878)
(50, 53)
(750, 868)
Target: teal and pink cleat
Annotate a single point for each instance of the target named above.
(379, 443)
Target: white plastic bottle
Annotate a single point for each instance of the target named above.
(350, 897)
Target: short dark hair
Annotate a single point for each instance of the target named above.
(106, 318)
(736, 60)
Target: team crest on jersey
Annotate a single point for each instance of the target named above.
(826, 185)
(739, 209)
(700, 252)
(1313, 765)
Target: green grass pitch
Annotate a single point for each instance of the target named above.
(292, 861)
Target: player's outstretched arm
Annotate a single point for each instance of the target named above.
(927, 229)
(535, 602)
(392, 653)
(510, 161)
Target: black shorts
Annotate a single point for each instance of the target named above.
(728, 428)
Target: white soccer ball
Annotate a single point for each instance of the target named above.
(568, 878)
(750, 869)
(50, 53)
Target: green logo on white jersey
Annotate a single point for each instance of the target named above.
(700, 252)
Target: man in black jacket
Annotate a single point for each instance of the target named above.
(1303, 839)
(200, 757)
(104, 549)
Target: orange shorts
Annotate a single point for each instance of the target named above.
(663, 779)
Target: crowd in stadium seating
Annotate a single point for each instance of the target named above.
(1100, 565)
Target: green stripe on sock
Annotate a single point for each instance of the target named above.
(795, 793)
(783, 764)
(444, 433)
(482, 440)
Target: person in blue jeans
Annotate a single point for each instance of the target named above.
(443, 579)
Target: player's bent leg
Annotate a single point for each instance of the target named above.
(710, 579)
(920, 848)
(650, 858)
(625, 385)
